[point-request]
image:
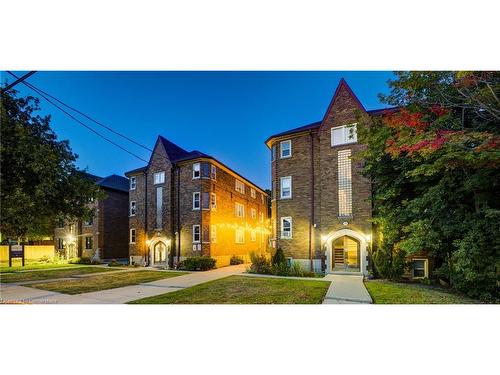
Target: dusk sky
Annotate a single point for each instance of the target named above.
(225, 114)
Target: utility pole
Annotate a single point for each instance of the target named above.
(19, 80)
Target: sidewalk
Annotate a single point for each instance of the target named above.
(9, 292)
(346, 289)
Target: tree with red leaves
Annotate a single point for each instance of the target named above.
(435, 164)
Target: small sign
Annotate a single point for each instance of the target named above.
(16, 251)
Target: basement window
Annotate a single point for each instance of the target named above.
(419, 267)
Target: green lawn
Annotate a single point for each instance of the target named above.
(51, 274)
(246, 290)
(102, 282)
(388, 292)
(16, 266)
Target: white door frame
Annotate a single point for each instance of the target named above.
(152, 250)
(363, 244)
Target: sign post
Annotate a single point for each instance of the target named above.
(16, 251)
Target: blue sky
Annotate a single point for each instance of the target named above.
(225, 114)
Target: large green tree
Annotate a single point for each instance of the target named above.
(435, 164)
(39, 183)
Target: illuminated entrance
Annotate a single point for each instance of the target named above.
(160, 253)
(345, 255)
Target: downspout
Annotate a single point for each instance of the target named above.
(201, 208)
(146, 215)
(311, 222)
(171, 254)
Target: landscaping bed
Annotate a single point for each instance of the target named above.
(246, 290)
(34, 275)
(17, 266)
(103, 282)
(389, 292)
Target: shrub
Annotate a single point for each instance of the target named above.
(279, 257)
(202, 263)
(236, 260)
(260, 264)
(114, 263)
(82, 260)
(44, 259)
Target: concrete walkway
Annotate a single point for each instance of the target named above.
(346, 289)
(18, 293)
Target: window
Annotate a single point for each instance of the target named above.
(253, 235)
(286, 187)
(213, 233)
(261, 217)
(88, 243)
(196, 233)
(132, 235)
(213, 202)
(205, 170)
(159, 207)
(196, 170)
(344, 134)
(159, 178)
(196, 201)
(286, 227)
(262, 200)
(89, 222)
(419, 267)
(213, 172)
(60, 223)
(132, 208)
(60, 243)
(253, 194)
(133, 183)
(253, 213)
(240, 187)
(344, 183)
(205, 200)
(240, 235)
(239, 210)
(273, 152)
(285, 149)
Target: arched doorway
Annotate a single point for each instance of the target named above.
(346, 251)
(345, 254)
(159, 253)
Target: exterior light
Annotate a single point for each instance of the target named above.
(71, 238)
(148, 242)
(324, 238)
(368, 237)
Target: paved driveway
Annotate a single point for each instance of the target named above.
(17, 293)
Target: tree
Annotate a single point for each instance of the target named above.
(39, 181)
(435, 163)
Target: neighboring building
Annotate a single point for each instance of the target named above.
(185, 204)
(321, 207)
(105, 236)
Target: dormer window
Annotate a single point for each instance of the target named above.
(345, 134)
(286, 149)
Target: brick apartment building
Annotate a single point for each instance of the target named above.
(105, 236)
(185, 204)
(321, 206)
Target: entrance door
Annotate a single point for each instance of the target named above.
(160, 253)
(345, 254)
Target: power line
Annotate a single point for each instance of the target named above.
(80, 122)
(18, 80)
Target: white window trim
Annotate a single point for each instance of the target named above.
(213, 201)
(253, 193)
(426, 269)
(213, 172)
(289, 218)
(281, 149)
(236, 205)
(281, 187)
(199, 171)
(236, 236)
(199, 233)
(134, 184)
(130, 208)
(253, 235)
(197, 193)
(345, 134)
(240, 184)
(160, 173)
(253, 213)
(130, 236)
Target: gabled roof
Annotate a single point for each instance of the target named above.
(114, 182)
(173, 151)
(314, 125)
